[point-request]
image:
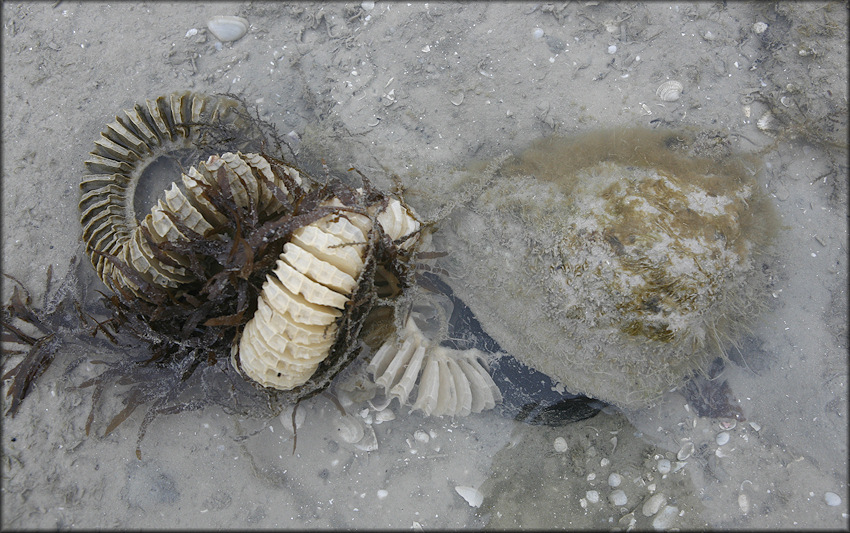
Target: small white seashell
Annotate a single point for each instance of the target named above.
(759, 27)
(227, 28)
(744, 503)
(472, 496)
(627, 522)
(756, 426)
(537, 33)
(382, 494)
(618, 498)
(350, 429)
(665, 518)
(654, 504)
(421, 436)
(369, 442)
(560, 445)
(766, 123)
(367, 6)
(384, 415)
(612, 49)
(592, 496)
(832, 499)
(614, 480)
(670, 90)
(728, 424)
(604, 462)
(663, 466)
(722, 438)
(686, 451)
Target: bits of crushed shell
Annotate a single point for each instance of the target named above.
(832, 499)
(350, 429)
(759, 27)
(654, 504)
(685, 451)
(663, 466)
(227, 28)
(369, 442)
(670, 90)
(744, 503)
(722, 438)
(755, 426)
(472, 495)
(765, 123)
(664, 519)
(627, 522)
(592, 496)
(560, 445)
(728, 424)
(614, 480)
(421, 436)
(384, 415)
(618, 498)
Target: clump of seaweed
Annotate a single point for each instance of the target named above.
(188, 331)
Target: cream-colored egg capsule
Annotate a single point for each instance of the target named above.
(316, 275)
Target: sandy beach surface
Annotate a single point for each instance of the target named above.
(422, 90)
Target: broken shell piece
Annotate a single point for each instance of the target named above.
(767, 124)
(450, 382)
(369, 442)
(654, 504)
(227, 28)
(670, 90)
(472, 496)
(686, 451)
(560, 445)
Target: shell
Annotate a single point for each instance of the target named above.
(473, 496)
(450, 382)
(669, 91)
(227, 28)
(767, 124)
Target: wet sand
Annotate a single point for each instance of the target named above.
(421, 90)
